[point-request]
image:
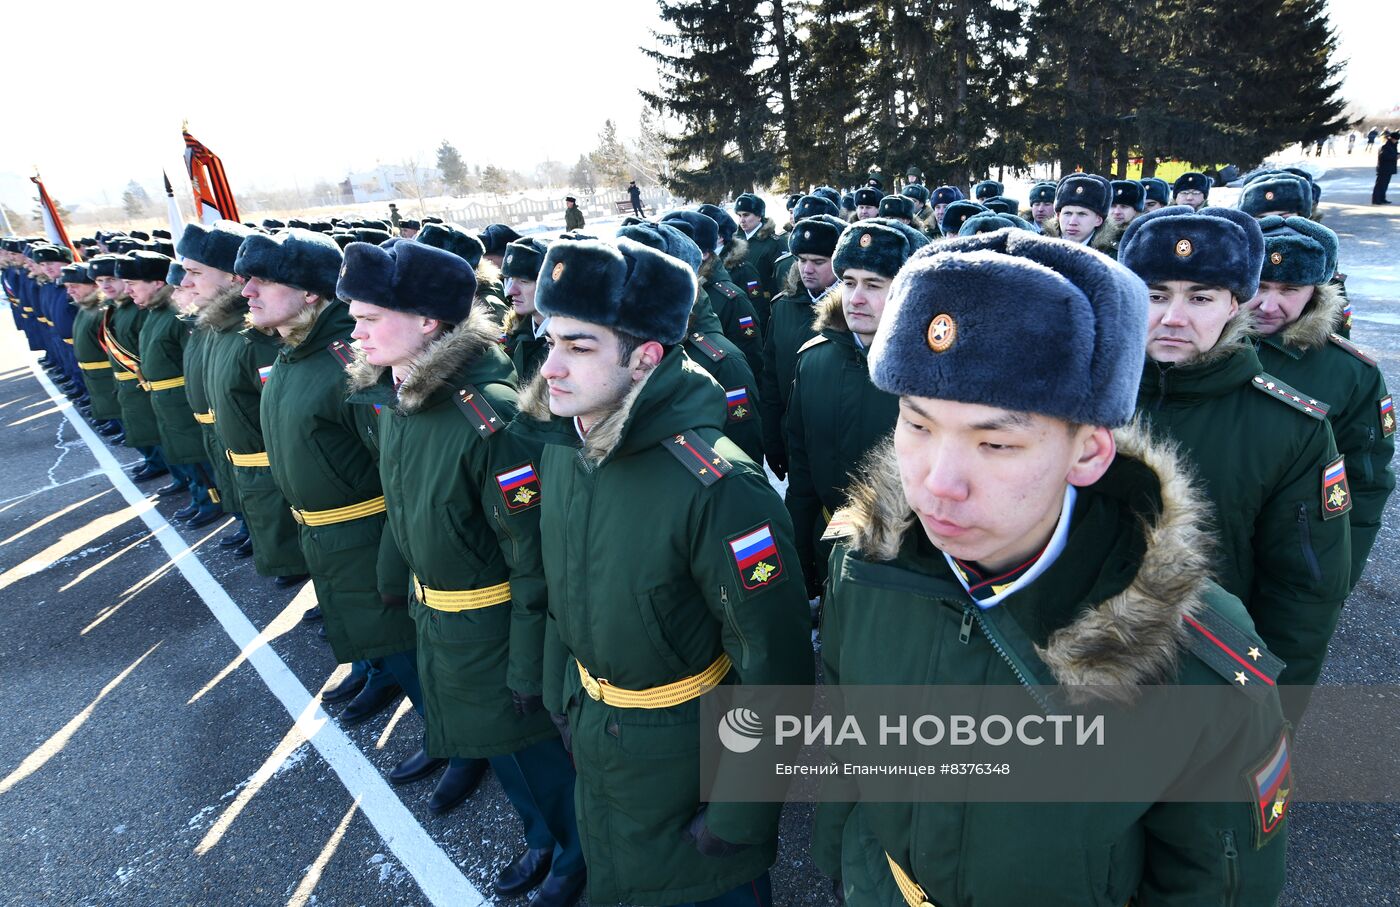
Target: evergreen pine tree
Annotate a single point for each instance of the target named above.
(453, 168)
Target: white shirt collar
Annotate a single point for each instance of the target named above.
(1052, 551)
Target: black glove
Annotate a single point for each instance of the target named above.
(561, 724)
(526, 704)
(707, 842)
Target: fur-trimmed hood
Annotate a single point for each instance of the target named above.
(436, 368)
(1318, 321)
(1131, 638)
(765, 230)
(605, 436)
(1104, 239)
(163, 298)
(224, 312)
(90, 301)
(1239, 332)
(829, 314)
(736, 252)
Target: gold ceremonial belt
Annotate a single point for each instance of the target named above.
(43, 320)
(164, 384)
(257, 459)
(28, 308)
(204, 418)
(913, 895)
(663, 697)
(94, 366)
(463, 600)
(339, 514)
(124, 376)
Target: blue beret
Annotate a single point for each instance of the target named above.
(629, 287)
(215, 246)
(1018, 321)
(1216, 247)
(1297, 251)
(295, 257)
(409, 277)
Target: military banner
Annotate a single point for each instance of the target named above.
(213, 197)
(53, 224)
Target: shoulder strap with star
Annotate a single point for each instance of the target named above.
(478, 411)
(1269, 385)
(815, 341)
(699, 459)
(1231, 652)
(727, 290)
(1350, 347)
(698, 339)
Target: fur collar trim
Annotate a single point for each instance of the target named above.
(304, 324)
(765, 231)
(1238, 334)
(1319, 319)
(436, 367)
(1132, 638)
(829, 314)
(736, 252)
(90, 301)
(224, 312)
(161, 299)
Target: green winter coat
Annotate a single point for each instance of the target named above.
(1109, 612)
(764, 249)
(788, 329)
(835, 417)
(445, 465)
(736, 315)
(573, 219)
(1307, 355)
(645, 590)
(196, 391)
(746, 277)
(122, 336)
(320, 463)
(163, 340)
(714, 352)
(87, 347)
(490, 292)
(526, 351)
(237, 365)
(1261, 461)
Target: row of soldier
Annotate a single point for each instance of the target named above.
(499, 513)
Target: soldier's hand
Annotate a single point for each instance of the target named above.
(561, 724)
(526, 704)
(707, 842)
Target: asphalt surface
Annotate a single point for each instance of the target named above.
(148, 758)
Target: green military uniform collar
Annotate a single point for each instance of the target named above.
(1232, 363)
(332, 323)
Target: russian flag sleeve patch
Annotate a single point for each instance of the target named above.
(755, 557)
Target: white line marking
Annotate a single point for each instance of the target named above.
(441, 880)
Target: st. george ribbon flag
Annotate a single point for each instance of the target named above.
(53, 224)
(213, 197)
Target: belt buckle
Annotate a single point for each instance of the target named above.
(592, 687)
(296, 516)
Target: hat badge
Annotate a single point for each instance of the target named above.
(1078, 190)
(942, 331)
(806, 234)
(509, 257)
(558, 271)
(1269, 195)
(1183, 248)
(1276, 258)
(865, 240)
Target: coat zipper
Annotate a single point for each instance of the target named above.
(973, 614)
(733, 622)
(514, 548)
(1366, 470)
(1305, 543)
(1232, 866)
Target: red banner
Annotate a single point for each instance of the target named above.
(213, 197)
(53, 224)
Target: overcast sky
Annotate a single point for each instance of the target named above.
(296, 91)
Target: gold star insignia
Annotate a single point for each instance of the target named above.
(1240, 678)
(1255, 653)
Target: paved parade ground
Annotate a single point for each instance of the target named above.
(163, 742)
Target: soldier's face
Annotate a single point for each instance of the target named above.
(1186, 319)
(52, 269)
(1078, 224)
(206, 282)
(141, 291)
(521, 293)
(389, 338)
(988, 484)
(1151, 205)
(407, 232)
(1193, 197)
(1122, 215)
(863, 296)
(586, 374)
(111, 287)
(1277, 305)
(1042, 211)
(748, 221)
(77, 291)
(864, 211)
(815, 272)
(271, 305)
(938, 212)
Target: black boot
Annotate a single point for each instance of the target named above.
(369, 703)
(415, 768)
(524, 872)
(559, 891)
(456, 784)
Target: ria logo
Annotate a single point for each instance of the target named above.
(741, 730)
